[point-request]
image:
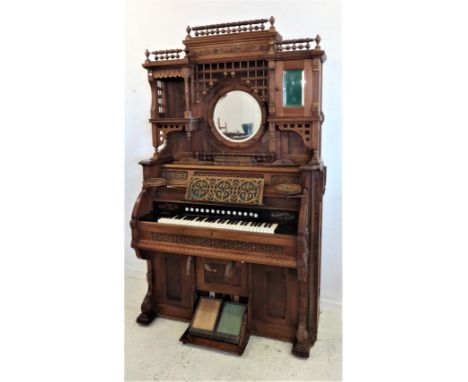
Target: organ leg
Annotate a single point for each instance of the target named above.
(148, 306)
(302, 344)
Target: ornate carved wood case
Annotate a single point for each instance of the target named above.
(273, 173)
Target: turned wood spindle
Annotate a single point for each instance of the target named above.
(317, 41)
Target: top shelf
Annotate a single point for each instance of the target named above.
(216, 40)
(232, 27)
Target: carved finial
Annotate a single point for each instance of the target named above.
(147, 53)
(317, 41)
(188, 30)
(272, 23)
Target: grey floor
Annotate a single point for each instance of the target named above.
(155, 353)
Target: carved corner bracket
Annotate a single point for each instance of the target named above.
(303, 127)
(171, 125)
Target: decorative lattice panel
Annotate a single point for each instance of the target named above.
(288, 179)
(217, 243)
(175, 177)
(225, 190)
(253, 74)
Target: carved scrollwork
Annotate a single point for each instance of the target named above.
(225, 189)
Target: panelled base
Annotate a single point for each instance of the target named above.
(271, 293)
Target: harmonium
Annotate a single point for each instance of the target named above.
(229, 216)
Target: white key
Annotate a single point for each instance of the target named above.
(272, 228)
(261, 228)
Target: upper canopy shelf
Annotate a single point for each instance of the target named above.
(206, 41)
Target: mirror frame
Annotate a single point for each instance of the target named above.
(218, 135)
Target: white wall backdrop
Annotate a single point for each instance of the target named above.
(161, 25)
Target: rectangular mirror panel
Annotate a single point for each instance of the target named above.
(293, 87)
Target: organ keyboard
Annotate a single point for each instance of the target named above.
(236, 225)
(247, 219)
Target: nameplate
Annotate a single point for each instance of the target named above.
(225, 189)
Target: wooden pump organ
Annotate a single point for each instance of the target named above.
(229, 216)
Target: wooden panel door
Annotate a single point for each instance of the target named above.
(175, 280)
(274, 301)
(222, 276)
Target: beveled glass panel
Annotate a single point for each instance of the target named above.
(237, 116)
(293, 87)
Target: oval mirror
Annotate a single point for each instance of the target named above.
(237, 116)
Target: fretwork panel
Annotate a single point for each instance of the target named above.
(253, 74)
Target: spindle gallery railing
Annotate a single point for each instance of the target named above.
(298, 44)
(234, 27)
(170, 54)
